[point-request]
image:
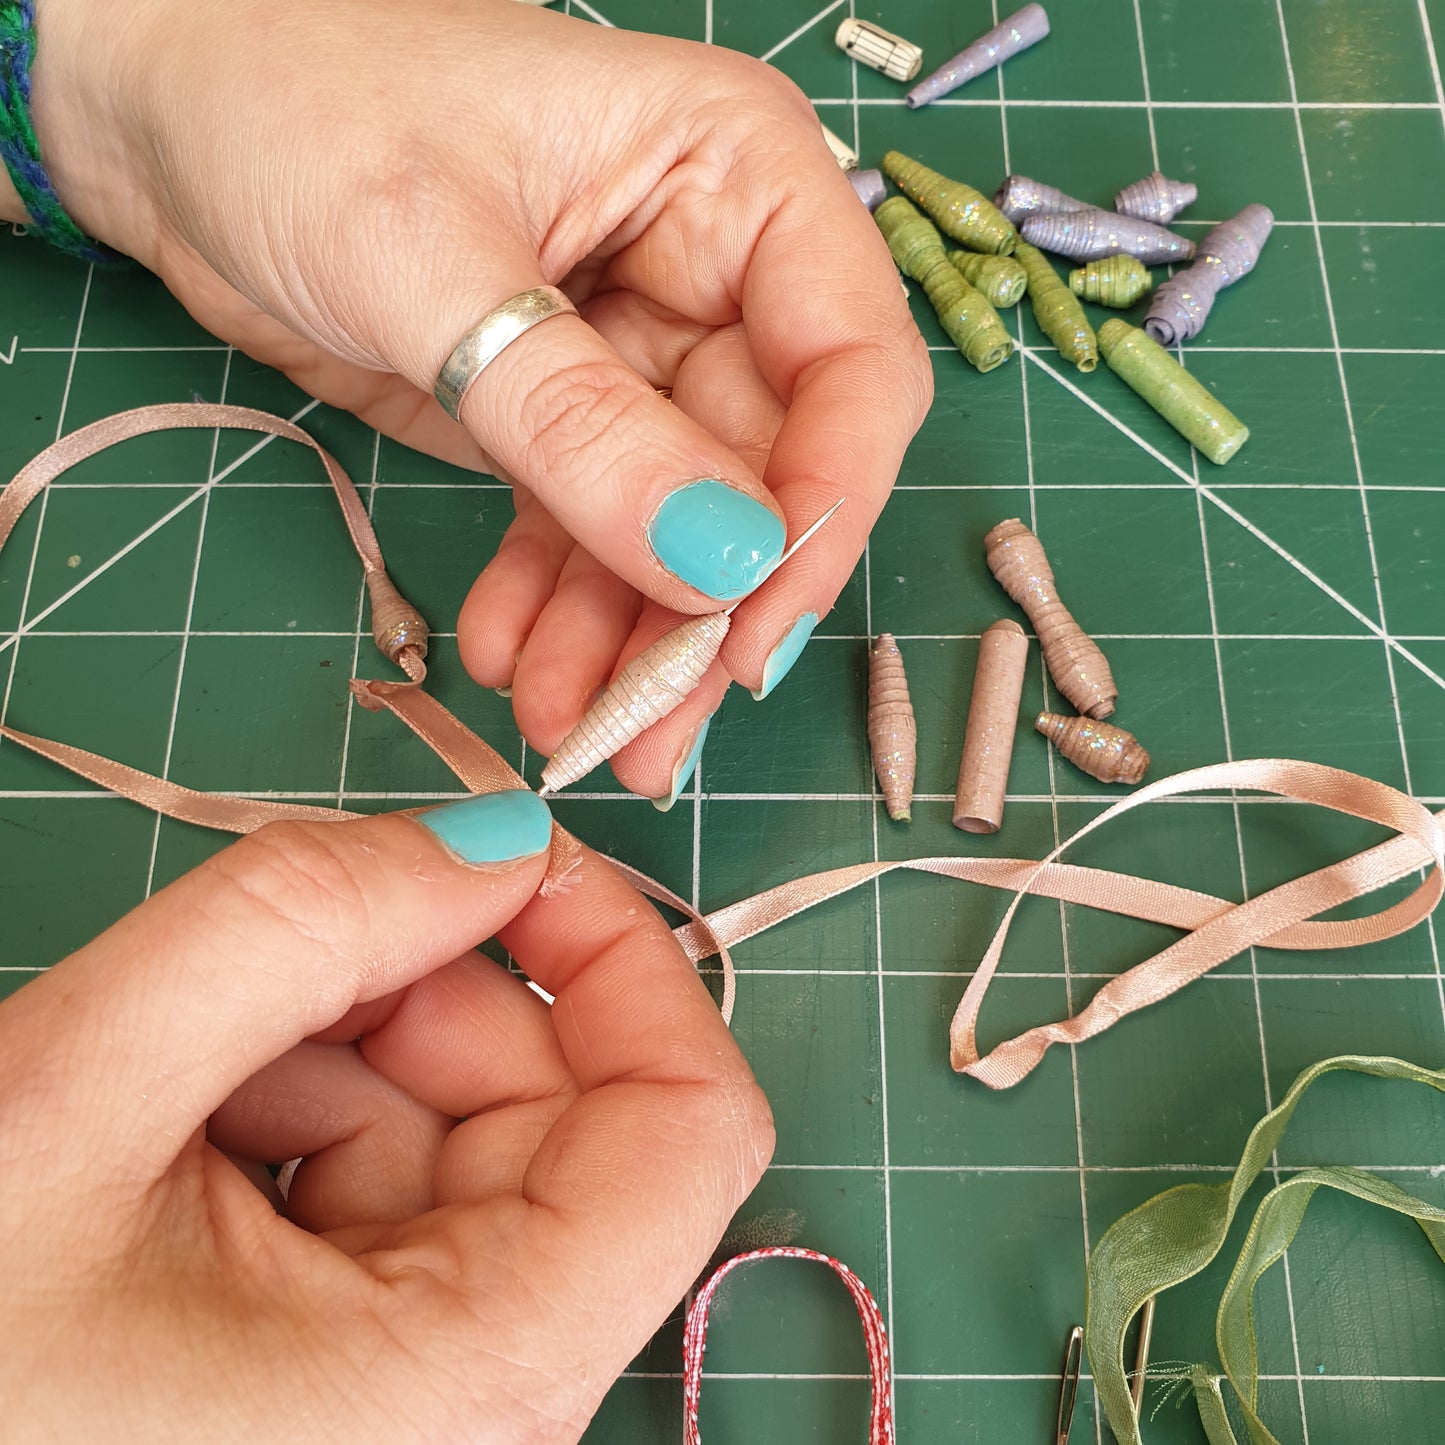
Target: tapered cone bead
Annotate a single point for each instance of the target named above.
(869, 186)
(1100, 749)
(993, 715)
(1088, 235)
(1021, 197)
(1177, 395)
(1000, 278)
(967, 318)
(959, 211)
(1181, 305)
(913, 240)
(1156, 198)
(1117, 281)
(892, 732)
(655, 682)
(1057, 310)
(1079, 670)
(1018, 32)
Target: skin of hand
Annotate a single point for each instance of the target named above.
(498, 1201)
(343, 193)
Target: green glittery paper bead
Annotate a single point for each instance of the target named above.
(971, 323)
(1000, 278)
(1057, 310)
(960, 211)
(912, 238)
(1116, 281)
(1183, 401)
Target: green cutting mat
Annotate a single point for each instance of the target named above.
(1290, 604)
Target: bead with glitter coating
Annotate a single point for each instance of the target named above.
(988, 742)
(879, 49)
(1100, 749)
(1117, 281)
(1181, 305)
(959, 211)
(1088, 235)
(1057, 310)
(1000, 278)
(657, 680)
(1156, 198)
(869, 186)
(1021, 196)
(1018, 32)
(1079, 670)
(892, 732)
(1180, 398)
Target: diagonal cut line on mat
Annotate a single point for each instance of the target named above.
(1236, 516)
(592, 14)
(28, 623)
(1432, 57)
(803, 29)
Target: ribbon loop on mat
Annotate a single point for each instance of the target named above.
(875, 1337)
(1215, 929)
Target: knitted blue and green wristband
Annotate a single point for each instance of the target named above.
(19, 148)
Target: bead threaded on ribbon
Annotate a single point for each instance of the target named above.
(892, 731)
(395, 624)
(1100, 749)
(1079, 670)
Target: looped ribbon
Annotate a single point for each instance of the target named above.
(875, 1338)
(1215, 929)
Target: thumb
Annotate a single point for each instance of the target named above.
(138, 1037)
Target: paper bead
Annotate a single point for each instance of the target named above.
(1099, 749)
(1181, 399)
(869, 187)
(1057, 310)
(960, 211)
(879, 49)
(913, 240)
(1022, 29)
(843, 153)
(1016, 558)
(892, 732)
(1117, 281)
(1087, 235)
(656, 681)
(1022, 196)
(1000, 278)
(988, 741)
(1156, 198)
(1181, 305)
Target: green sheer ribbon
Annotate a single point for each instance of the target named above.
(1173, 1236)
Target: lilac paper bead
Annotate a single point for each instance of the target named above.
(1022, 196)
(1022, 29)
(870, 187)
(1091, 234)
(1181, 305)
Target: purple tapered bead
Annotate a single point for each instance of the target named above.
(870, 187)
(1181, 305)
(1156, 198)
(1022, 196)
(1088, 235)
(1022, 29)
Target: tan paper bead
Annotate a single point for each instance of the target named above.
(892, 732)
(993, 714)
(879, 49)
(655, 682)
(1099, 749)
(1016, 558)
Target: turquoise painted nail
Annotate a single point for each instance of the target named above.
(786, 653)
(492, 827)
(716, 538)
(685, 769)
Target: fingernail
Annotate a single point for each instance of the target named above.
(716, 538)
(492, 827)
(786, 653)
(685, 769)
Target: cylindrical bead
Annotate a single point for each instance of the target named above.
(960, 211)
(1156, 198)
(892, 732)
(1099, 749)
(1020, 30)
(967, 318)
(988, 742)
(879, 49)
(1021, 196)
(1000, 278)
(869, 186)
(1180, 307)
(1057, 309)
(656, 681)
(1181, 399)
(1079, 670)
(843, 153)
(1087, 235)
(1117, 281)
(913, 240)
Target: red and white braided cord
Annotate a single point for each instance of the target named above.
(875, 1336)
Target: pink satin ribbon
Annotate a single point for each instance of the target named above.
(1215, 929)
